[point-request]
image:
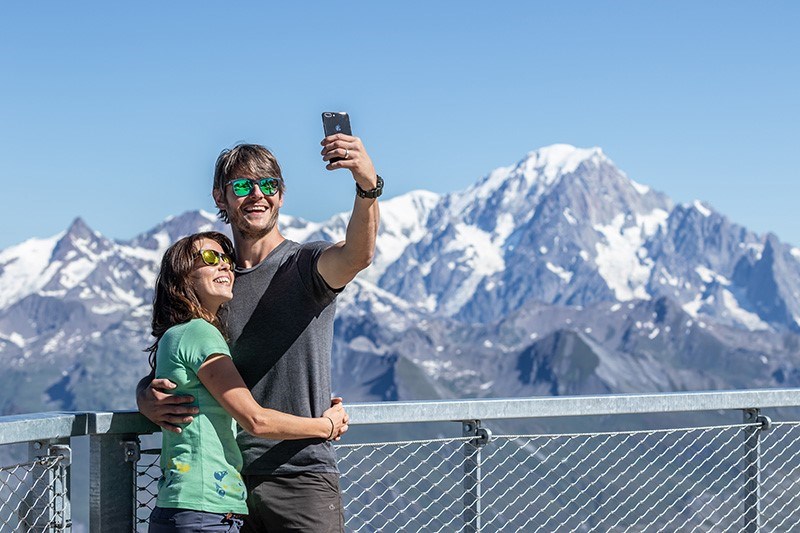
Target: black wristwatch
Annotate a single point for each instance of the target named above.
(372, 193)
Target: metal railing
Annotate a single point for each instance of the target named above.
(558, 475)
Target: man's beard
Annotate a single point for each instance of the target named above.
(247, 230)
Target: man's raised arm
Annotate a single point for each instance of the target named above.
(340, 263)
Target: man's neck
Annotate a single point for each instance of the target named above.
(250, 252)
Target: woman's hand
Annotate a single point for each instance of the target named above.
(339, 417)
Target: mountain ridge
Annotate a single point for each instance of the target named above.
(557, 274)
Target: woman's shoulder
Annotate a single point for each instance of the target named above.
(199, 326)
(194, 340)
(192, 328)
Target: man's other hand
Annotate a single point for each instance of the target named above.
(165, 409)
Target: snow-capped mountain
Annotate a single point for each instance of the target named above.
(555, 275)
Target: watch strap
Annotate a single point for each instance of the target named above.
(372, 193)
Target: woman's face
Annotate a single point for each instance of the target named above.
(213, 284)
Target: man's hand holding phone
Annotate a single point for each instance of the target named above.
(340, 149)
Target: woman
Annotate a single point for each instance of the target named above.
(200, 488)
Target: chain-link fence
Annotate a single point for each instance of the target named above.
(148, 472)
(688, 479)
(684, 479)
(405, 486)
(33, 495)
(726, 477)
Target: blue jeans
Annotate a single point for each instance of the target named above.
(188, 521)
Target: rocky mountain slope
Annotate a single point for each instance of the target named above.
(556, 275)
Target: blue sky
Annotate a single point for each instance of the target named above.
(115, 112)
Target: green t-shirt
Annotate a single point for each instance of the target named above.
(199, 466)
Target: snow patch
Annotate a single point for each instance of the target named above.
(211, 217)
(709, 276)
(76, 271)
(705, 211)
(560, 272)
(476, 246)
(15, 338)
(651, 222)
(672, 280)
(53, 343)
(641, 189)
(435, 368)
(24, 269)
(107, 308)
(569, 216)
(504, 227)
(749, 320)
(693, 307)
(621, 260)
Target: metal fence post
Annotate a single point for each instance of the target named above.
(47, 506)
(752, 457)
(62, 485)
(112, 479)
(472, 473)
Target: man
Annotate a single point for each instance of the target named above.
(281, 330)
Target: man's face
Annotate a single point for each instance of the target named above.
(254, 215)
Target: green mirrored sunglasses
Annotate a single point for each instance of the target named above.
(244, 186)
(213, 257)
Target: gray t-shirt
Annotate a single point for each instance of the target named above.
(280, 323)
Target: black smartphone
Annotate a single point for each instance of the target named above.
(333, 123)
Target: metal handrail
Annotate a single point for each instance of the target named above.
(31, 427)
(543, 407)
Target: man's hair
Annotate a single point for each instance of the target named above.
(253, 159)
(175, 301)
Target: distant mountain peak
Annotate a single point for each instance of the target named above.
(79, 227)
(523, 184)
(550, 162)
(80, 240)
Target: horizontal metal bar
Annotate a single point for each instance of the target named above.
(119, 422)
(607, 404)
(39, 426)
